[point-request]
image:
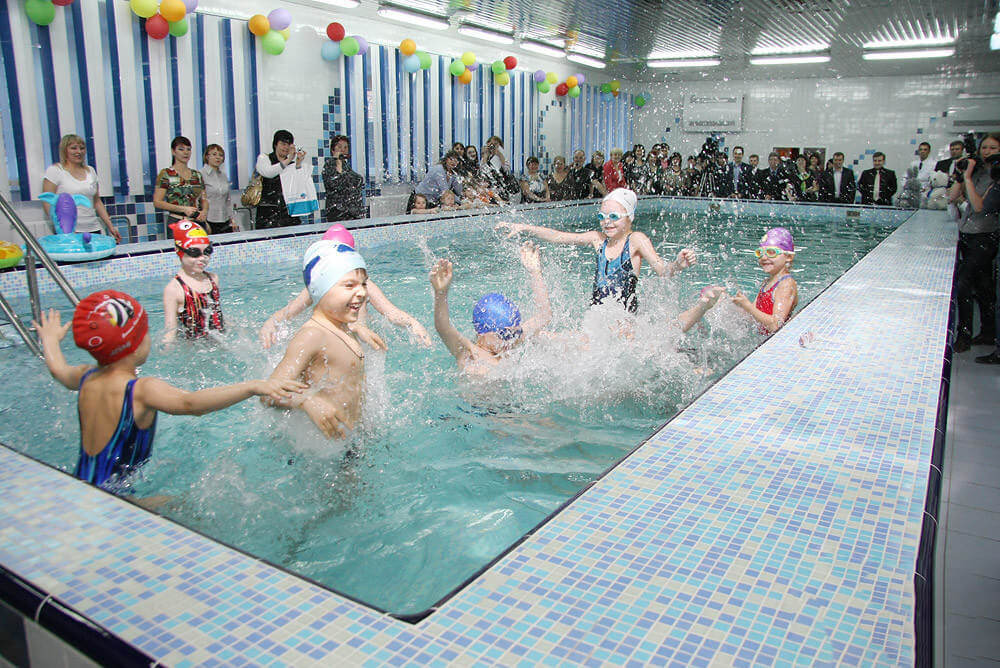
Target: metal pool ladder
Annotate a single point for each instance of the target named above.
(33, 249)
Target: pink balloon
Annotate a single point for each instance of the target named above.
(580, 79)
(157, 26)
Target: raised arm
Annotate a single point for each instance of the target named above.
(644, 247)
(708, 298)
(591, 237)
(396, 315)
(784, 299)
(51, 332)
(440, 277)
(268, 331)
(531, 259)
(153, 394)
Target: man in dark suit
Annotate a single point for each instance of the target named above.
(738, 175)
(957, 150)
(878, 184)
(720, 172)
(837, 185)
(773, 182)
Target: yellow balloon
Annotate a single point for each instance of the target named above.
(615, 85)
(469, 58)
(259, 25)
(143, 8)
(551, 77)
(173, 10)
(408, 47)
(571, 82)
(501, 79)
(286, 33)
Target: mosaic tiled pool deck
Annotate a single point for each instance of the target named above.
(775, 521)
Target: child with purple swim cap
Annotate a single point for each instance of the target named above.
(381, 303)
(496, 319)
(779, 295)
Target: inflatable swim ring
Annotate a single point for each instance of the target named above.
(10, 254)
(67, 245)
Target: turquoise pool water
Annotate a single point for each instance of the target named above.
(444, 475)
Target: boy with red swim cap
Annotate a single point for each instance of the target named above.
(118, 409)
(192, 296)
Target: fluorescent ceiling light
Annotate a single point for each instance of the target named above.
(485, 34)
(791, 60)
(903, 42)
(413, 18)
(995, 42)
(349, 4)
(793, 48)
(902, 55)
(543, 49)
(690, 62)
(586, 60)
(587, 51)
(671, 55)
(962, 95)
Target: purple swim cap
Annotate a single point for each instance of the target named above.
(779, 237)
(340, 234)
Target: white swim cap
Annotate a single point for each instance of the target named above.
(325, 263)
(625, 197)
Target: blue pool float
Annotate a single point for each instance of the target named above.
(67, 245)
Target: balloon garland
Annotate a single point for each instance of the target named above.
(167, 17)
(273, 29)
(341, 44)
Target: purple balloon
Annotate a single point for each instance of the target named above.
(539, 76)
(362, 44)
(580, 79)
(66, 213)
(191, 5)
(279, 19)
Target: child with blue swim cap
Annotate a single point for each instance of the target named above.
(496, 319)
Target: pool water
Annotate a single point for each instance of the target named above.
(445, 473)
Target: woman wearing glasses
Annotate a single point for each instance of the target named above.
(191, 298)
(779, 295)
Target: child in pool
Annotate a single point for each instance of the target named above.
(192, 296)
(779, 295)
(324, 352)
(117, 409)
(377, 298)
(496, 319)
(620, 251)
(418, 204)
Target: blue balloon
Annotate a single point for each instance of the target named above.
(606, 97)
(330, 51)
(411, 63)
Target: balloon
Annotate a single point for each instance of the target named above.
(273, 43)
(510, 62)
(143, 8)
(425, 59)
(551, 77)
(501, 79)
(615, 85)
(498, 67)
(411, 63)
(571, 81)
(172, 10)
(615, 93)
(41, 12)
(605, 88)
(539, 76)
(408, 47)
(62, 3)
(466, 77)
(259, 25)
(580, 79)
(190, 5)
(280, 19)
(362, 45)
(640, 101)
(330, 51)
(157, 27)
(456, 68)
(469, 58)
(606, 97)
(349, 46)
(286, 33)
(574, 91)
(562, 89)
(179, 28)
(335, 31)
(543, 86)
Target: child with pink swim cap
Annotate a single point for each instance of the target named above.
(779, 295)
(381, 303)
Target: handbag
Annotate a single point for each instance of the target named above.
(254, 189)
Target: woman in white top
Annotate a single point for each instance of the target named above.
(72, 175)
(272, 210)
(220, 205)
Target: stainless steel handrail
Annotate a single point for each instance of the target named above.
(19, 326)
(34, 247)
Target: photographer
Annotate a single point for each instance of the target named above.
(272, 210)
(344, 186)
(977, 244)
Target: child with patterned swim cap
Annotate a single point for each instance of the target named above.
(496, 319)
(192, 296)
(117, 409)
(779, 295)
(325, 353)
(377, 298)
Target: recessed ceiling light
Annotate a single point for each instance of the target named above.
(689, 62)
(903, 42)
(962, 95)
(903, 55)
(587, 51)
(680, 55)
(486, 34)
(791, 60)
(413, 18)
(792, 48)
(543, 49)
(586, 60)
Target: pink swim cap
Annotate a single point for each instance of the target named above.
(339, 234)
(778, 237)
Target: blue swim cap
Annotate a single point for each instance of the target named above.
(496, 313)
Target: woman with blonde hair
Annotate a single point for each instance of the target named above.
(73, 176)
(219, 216)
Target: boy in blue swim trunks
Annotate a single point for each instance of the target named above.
(496, 318)
(117, 408)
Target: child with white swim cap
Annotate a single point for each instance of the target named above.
(325, 354)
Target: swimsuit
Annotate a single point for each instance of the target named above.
(193, 317)
(765, 301)
(128, 448)
(616, 278)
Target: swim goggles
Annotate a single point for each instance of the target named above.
(769, 251)
(614, 216)
(194, 251)
(509, 333)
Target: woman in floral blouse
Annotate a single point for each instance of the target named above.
(180, 190)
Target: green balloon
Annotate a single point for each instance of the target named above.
(498, 67)
(42, 12)
(349, 46)
(456, 68)
(274, 43)
(179, 28)
(574, 91)
(544, 86)
(605, 88)
(640, 101)
(425, 60)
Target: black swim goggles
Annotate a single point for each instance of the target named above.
(197, 251)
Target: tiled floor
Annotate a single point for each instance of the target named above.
(968, 547)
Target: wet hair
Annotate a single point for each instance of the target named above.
(337, 139)
(281, 135)
(878, 154)
(213, 147)
(180, 140)
(64, 145)
(412, 201)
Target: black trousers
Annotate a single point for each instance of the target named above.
(975, 281)
(274, 216)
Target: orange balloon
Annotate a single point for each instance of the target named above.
(571, 81)
(615, 93)
(465, 77)
(408, 47)
(173, 10)
(259, 25)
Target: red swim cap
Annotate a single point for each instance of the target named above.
(109, 325)
(188, 233)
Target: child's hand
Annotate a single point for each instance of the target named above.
(268, 334)
(712, 294)
(685, 259)
(741, 300)
(441, 275)
(531, 258)
(325, 416)
(278, 390)
(51, 326)
(422, 336)
(512, 228)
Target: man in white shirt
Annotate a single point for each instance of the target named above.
(924, 165)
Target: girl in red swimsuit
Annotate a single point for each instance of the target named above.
(191, 298)
(779, 295)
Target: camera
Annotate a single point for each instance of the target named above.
(962, 165)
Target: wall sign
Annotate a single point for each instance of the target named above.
(713, 113)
